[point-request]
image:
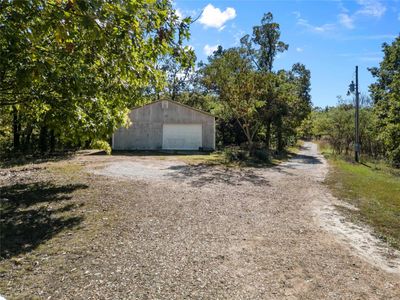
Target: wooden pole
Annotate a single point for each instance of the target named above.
(357, 144)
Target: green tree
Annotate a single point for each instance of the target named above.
(286, 95)
(179, 73)
(70, 69)
(279, 101)
(230, 75)
(386, 96)
(295, 96)
(264, 44)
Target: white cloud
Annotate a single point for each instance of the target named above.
(346, 20)
(214, 17)
(319, 29)
(381, 37)
(298, 49)
(342, 7)
(208, 50)
(372, 8)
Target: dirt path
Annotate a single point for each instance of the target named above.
(201, 232)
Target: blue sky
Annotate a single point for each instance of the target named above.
(329, 37)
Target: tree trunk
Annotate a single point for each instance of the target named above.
(16, 129)
(43, 146)
(279, 136)
(27, 140)
(268, 136)
(279, 140)
(52, 141)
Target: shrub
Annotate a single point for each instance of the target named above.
(235, 154)
(394, 157)
(102, 145)
(261, 154)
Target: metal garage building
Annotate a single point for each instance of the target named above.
(166, 125)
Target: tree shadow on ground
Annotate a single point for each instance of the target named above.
(203, 174)
(140, 153)
(303, 159)
(33, 213)
(21, 160)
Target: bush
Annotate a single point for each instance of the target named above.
(394, 157)
(102, 145)
(235, 154)
(261, 154)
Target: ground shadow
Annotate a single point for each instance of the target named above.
(21, 160)
(154, 153)
(203, 174)
(33, 213)
(301, 160)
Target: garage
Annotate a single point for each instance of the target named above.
(166, 125)
(182, 137)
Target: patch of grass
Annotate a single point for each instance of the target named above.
(213, 158)
(219, 158)
(65, 168)
(374, 189)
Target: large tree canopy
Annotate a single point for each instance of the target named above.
(386, 96)
(264, 103)
(231, 76)
(72, 68)
(263, 46)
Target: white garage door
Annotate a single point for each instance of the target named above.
(182, 136)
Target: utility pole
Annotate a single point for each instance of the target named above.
(354, 88)
(357, 144)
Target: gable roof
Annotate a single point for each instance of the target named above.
(177, 103)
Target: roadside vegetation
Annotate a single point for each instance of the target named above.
(379, 116)
(372, 187)
(235, 156)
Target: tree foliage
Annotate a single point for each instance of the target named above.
(231, 76)
(386, 96)
(264, 103)
(379, 115)
(70, 69)
(263, 46)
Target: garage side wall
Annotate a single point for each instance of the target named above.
(146, 130)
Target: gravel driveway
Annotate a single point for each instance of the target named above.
(203, 232)
(210, 232)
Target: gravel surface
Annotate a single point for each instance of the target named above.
(207, 232)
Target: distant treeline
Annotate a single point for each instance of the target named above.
(379, 115)
(70, 72)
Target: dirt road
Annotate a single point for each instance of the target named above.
(201, 232)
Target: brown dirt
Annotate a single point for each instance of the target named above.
(162, 229)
